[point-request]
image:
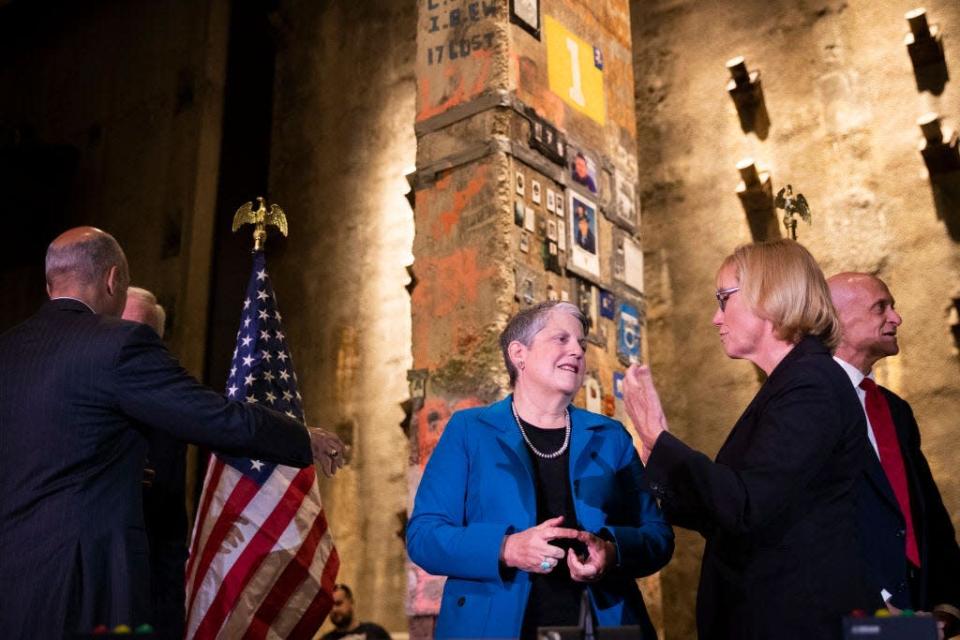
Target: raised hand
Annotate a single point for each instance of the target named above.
(642, 403)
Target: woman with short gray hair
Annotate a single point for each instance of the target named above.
(530, 503)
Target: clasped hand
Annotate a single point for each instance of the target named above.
(531, 551)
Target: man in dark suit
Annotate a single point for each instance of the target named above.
(908, 539)
(78, 389)
(164, 497)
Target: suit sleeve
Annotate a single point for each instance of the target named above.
(151, 387)
(797, 431)
(439, 538)
(645, 540)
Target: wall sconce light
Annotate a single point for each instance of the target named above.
(939, 147)
(756, 195)
(942, 157)
(746, 91)
(953, 319)
(925, 46)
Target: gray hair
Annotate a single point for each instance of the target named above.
(524, 326)
(157, 318)
(83, 261)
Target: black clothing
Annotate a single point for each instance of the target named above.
(367, 630)
(165, 516)
(554, 597)
(936, 581)
(778, 507)
(77, 390)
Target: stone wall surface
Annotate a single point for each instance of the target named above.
(143, 130)
(342, 143)
(842, 103)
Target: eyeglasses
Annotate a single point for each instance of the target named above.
(723, 295)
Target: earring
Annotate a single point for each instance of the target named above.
(520, 365)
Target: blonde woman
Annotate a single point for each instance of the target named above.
(777, 506)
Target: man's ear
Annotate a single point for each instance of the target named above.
(113, 274)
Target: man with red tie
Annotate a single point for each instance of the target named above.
(906, 533)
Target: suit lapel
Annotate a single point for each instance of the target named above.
(499, 417)
(807, 345)
(878, 478)
(583, 432)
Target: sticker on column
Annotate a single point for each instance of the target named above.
(628, 334)
(592, 393)
(573, 70)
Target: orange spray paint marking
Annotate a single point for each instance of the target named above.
(455, 78)
(461, 198)
(447, 283)
(432, 420)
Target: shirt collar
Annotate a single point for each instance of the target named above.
(75, 300)
(856, 376)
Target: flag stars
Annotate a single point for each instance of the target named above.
(264, 315)
(262, 275)
(268, 376)
(280, 334)
(256, 465)
(270, 397)
(283, 374)
(233, 370)
(246, 304)
(262, 295)
(246, 341)
(287, 395)
(264, 335)
(266, 355)
(290, 414)
(248, 381)
(251, 399)
(276, 314)
(246, 322)
(232, 390)
(282, 357)
(247, 361)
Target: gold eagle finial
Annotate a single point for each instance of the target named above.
(260, 218)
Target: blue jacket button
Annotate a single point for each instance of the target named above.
(461, 601)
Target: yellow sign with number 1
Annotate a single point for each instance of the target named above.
(573, 72)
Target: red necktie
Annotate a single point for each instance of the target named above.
(891, 459)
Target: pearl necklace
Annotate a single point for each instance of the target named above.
(537, 452)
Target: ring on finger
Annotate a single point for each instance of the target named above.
(546, 564)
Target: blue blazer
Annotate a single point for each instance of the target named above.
(478, 487)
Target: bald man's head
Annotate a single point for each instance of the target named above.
(88, 264)
(868, 319)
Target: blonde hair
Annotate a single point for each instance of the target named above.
(782, 283)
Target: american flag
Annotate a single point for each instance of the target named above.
(262, 561)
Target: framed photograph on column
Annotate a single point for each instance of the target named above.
(627, 261)
(526, 14)
(584, 245)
